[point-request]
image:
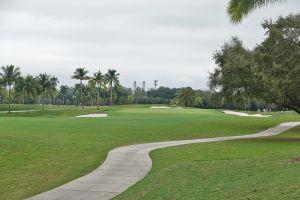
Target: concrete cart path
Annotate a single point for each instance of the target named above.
(124, 166)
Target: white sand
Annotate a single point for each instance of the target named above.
(160, 107)
(94, 115)
(244, 114)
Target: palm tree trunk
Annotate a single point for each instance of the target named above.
(9, 98)
(111, 94)
(27, 104)
(43, 99)
(63, 103)
(81, 94)
(98, 98)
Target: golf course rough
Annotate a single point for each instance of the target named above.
(124, 166)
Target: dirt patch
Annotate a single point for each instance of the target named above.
(294, 160)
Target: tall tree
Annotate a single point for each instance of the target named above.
(112, 77)
(277, 59)
(99, 79)
(233, 75)
(44, 83)
(91, 86)
(239, 9)
(81, 74)
(63, 91)
(53, 84)
(29, 88)
(19, 89)
(270, 72)
(9, 75)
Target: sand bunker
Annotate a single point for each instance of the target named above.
(94, 115)
(160, 107)
(244, 114)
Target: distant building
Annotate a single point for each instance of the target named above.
(144, 86)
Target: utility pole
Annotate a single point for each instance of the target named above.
(155, 83)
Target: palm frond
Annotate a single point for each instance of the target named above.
(239, 9)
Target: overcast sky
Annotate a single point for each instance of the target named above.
(169, 40)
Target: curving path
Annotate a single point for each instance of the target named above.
(124, 166)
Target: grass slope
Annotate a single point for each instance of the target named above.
(265, 168)
(41, 152)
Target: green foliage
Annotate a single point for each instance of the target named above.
(239, 9)
(81, 74)
(112, 77)
(99, 80)
(278, 62)
(30, 85)
(270, 72)
(9, 76)
(163, 92)
(44, 86)
(63, 91)
(186, 97)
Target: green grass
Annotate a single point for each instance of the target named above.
(50, 148)
(267, 168)
(4, 107)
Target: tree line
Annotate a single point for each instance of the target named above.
(96, 89)
(43, 88)
(269, 73)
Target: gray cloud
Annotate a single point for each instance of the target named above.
(169, 40)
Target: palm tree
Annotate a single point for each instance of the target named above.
(99, 79)
(186, 96)
(29, 88)
(90, 90)
(53, 84)
(112, 77)
(44, 83)
(9, 75)
(238, 9)
(19, 89)
(63, 91)
(81, 74)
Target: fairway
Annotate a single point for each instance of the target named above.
(52, 147)
(267, 168)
